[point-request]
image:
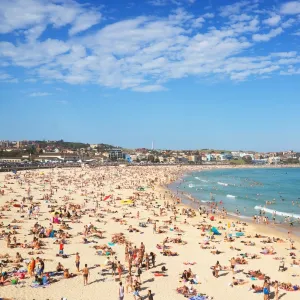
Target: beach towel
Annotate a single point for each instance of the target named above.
(198, 298)
(110, 244)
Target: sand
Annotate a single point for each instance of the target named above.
(83, 186)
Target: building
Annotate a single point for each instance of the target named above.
(274, 160)
(116, 154)
(10, 159)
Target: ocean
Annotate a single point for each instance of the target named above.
(247, 190)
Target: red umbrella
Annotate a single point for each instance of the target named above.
(106, 197)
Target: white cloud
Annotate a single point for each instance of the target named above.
(63, 102)
(7, 78)
(267, 36)
(137, 54)
(168, 2)
(290, 71)
(30, 80)
(273, 20)
(290, 8)
(35, 15)
(238, 7)
(297, 33)
(208, 15)
(39, 94)
(85, 21)
(288, 23)
(149, 88)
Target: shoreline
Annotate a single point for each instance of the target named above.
(188, 201)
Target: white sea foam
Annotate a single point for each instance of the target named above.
(230, 196)
(222, 183)
(191, 185)
(278, 213)
(201, 179)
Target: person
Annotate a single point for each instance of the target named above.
(266, 290)
(154, 227)
(276, 290)
(232, 264)
(152, 259)
(113, 268)
(136, 294)
(61, 248)
(86, 274)
(59, 267)
(217, 269)
(150, 295)
(77, 261)
(121, 292)
(120, 269)
(42, 266)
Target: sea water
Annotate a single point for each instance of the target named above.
(247, 190)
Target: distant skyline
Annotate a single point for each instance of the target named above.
(186, 74)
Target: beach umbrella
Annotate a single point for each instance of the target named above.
(106, 197)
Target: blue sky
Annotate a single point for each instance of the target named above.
(184, 73)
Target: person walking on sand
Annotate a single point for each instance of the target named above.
(276, 290)
(119, 269)
(266, 290)
(154, 227)
(86, 274)
(121, 291)
(61, 248)
(77, 261)
(150, 295)
(232, 264)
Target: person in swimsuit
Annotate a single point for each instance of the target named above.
(77, 261)
(232, 264)
(276, 290)
(121, 292)
(86, 274)
(266, 290)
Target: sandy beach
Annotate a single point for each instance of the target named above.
(114, 218)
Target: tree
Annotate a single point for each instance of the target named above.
(247, 159)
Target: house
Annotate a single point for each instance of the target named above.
(115, 154)
(274, 160)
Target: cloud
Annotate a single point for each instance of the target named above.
(149, 88)
(30, 80)
(236, 8)
(170, 2)
(84, 22)
(297, 33)
(63, 102)
(35, 15)
(272, 21)
(136, 54)
(39, 94)
(7, 78)
(267, 36)
(290, 8)
(290, 71)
